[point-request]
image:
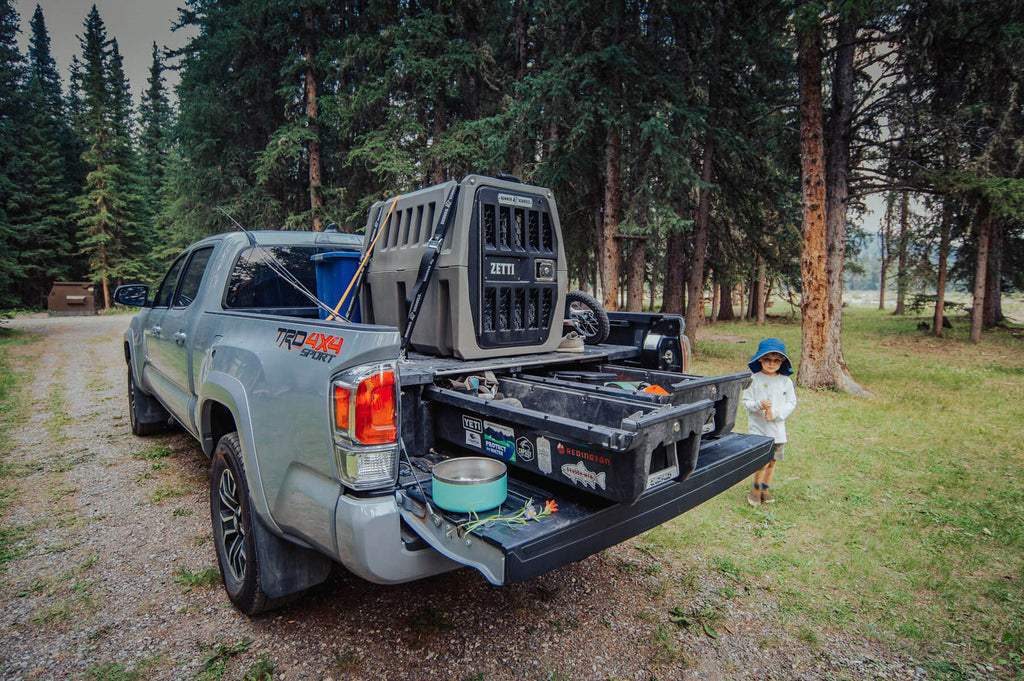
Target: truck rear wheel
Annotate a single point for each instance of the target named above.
(146, 415)
(233, 534)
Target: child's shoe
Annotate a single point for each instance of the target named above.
(754, 498)
(766, 496)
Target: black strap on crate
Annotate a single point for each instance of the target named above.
(428, 263)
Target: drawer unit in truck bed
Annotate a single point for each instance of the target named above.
(613, 447)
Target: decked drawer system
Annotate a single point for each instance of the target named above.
(579, 432)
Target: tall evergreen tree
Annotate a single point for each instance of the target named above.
(156, 118)
(12, 69)
(109, 209)
(47, 229)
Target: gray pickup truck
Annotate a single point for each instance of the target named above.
(323, 431)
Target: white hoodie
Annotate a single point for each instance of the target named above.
(779, 389)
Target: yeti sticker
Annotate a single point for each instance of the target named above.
(581, 475)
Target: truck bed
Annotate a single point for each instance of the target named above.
(419, 369)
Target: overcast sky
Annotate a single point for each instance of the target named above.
(135, 24)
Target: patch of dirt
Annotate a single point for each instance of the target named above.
(100, 529)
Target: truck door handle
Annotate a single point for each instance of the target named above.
(180, 337)
(156, 330)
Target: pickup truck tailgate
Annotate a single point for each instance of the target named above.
(584, 523)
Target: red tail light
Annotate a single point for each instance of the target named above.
(375, 413)
(341, 407)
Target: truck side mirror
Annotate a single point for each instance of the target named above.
(133, 295)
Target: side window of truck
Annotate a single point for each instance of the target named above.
(192, 277)
(255, 284)
(163, 294)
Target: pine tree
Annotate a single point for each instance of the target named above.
(109, 209)
(12, 69)
(47, 231)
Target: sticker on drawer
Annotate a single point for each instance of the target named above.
(581, 475)
(499, 441)
(544, 455)
(524, 449)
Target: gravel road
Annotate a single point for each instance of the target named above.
(106, 559)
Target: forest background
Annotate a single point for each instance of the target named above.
(705, 155)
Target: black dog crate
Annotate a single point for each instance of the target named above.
(614, 447)
(500, 283)
(723, 391)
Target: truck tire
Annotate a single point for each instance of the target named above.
(146, 415)
(233, 533)
(584, 313)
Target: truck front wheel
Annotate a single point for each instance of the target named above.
(233, 533)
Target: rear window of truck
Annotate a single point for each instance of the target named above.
(255, 284)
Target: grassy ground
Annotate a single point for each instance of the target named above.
(899, 517)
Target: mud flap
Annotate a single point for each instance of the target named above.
(286, 568)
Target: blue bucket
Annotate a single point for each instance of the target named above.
(334, 272)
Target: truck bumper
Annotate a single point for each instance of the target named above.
(370, 543)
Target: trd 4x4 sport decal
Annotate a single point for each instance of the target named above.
(316, 346)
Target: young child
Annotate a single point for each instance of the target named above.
(769, 400)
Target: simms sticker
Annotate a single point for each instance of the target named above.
(580, 475)
(499, 441)
(513, 200)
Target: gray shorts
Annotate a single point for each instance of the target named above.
(780, 450)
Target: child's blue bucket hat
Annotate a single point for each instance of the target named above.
(766, 346)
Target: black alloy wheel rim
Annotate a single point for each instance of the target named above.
(232, 529)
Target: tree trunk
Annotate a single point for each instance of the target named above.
(882, 274)
(519, 23)
(635, 271)
(610, 225)
(902, 246)
(316, 199)
(885, 245)
(980, 270)
(437, 173)
(945, 230)
(702, 220)
(725, 312)
(672, 293)
(695, 284)
(762, 292)
(813, 370)
(837, 193)
(992, 312)
(716, 301)
(752, 299)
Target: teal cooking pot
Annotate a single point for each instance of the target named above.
(469, 484)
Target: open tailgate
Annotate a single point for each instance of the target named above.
(584, 523)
